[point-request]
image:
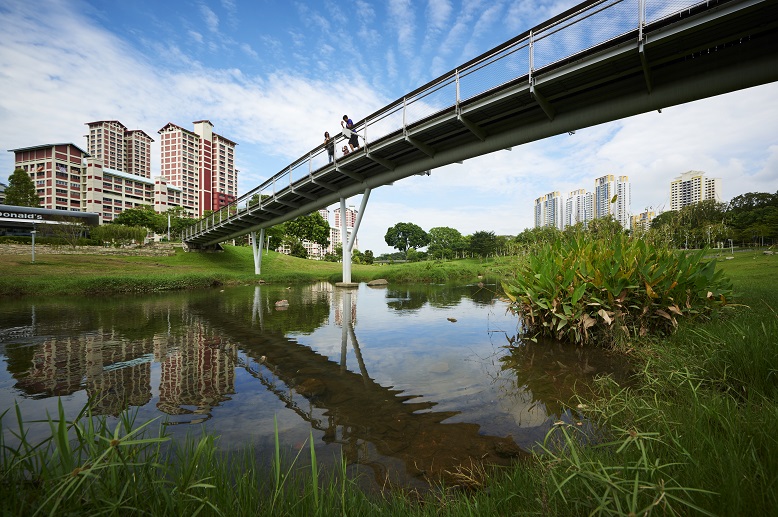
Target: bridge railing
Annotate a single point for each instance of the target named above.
(581, 28)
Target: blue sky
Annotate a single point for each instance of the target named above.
(274, 75)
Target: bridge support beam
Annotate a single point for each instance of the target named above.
(256, 248)
(348, 242)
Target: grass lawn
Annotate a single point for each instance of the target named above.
(105, 274)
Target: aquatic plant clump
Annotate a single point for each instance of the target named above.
(582, 288)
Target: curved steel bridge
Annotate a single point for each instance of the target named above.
(600, 61)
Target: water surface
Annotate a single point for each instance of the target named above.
(408, 383)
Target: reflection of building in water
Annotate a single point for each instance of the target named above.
(64, 366)
(339, 295)
(115, 371)
(200, 374)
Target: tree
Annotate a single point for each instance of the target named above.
(69, 229)
(21, 190)
(311, 227)
(483, 243)
(406, 235)
(296, 248)
(118, 234)
(336, 255)
(443, 242)
(179, 219)
(368, 257)
(274, 236)
(144, 216)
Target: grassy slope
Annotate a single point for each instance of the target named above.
(105, 274)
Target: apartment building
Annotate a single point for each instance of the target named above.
(201, 163)
(642, 222)
(58, 173)
(119, 148)
(579, 208)
(692, 187)
(613, 196)
(550, 211)
(68, 178)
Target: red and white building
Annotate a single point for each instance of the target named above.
(119, 148)
(201, 163)
(114, 173)
(58, 173)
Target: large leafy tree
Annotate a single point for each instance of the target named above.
(311, 227)
(483, 243)
(444, 242)
(296, 248)
(21, 190)
(179, 219)
(406, 235)
(144, 216)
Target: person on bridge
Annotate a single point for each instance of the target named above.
(353, 141)
(329, 144)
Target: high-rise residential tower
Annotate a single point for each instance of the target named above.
(201, 163)
(613, 196)
(550, 211)
(579, 207)
(119, 148)
(692, 187)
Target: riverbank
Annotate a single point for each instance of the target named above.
(101, 271)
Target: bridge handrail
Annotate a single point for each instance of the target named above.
(645, 12)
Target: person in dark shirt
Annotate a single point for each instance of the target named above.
(353, 141)
(329, 144)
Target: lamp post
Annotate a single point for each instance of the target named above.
(33, 245)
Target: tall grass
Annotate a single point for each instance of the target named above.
(584, 288)
(85, 467)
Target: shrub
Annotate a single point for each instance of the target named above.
(581, 287)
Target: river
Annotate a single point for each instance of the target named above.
(408, 383)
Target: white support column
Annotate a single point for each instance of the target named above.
(344, 243)
(256, 248)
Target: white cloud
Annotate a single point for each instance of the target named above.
(210, 19)
(196, 36)
(403, 21)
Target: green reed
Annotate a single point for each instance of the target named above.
(585, 288)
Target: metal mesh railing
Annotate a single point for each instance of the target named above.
(495, 70)
(585, 29)
(598, 22)
(658, 10)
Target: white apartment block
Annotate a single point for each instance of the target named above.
(201, 163)
(692, 187)
(613, 196)
(550, 211)
(579, 208)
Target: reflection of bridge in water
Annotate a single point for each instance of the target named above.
(359, 410)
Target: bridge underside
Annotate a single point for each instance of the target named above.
(693, 56)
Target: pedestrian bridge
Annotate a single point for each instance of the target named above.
(600, 61)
